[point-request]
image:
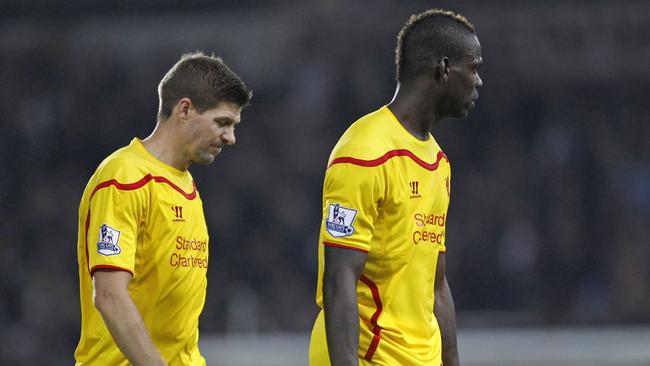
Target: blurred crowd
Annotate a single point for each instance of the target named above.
(550, 212)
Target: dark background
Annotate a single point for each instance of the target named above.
(550, 213)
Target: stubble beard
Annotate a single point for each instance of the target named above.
(204, 158)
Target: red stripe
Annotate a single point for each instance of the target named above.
(330, 244)
(129, 187)
(376, 330)
(86, 239)
(106, 266)
(389, 155)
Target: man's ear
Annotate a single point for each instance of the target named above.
(183, 108)
(442, 70)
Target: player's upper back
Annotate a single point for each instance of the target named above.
(369, 139)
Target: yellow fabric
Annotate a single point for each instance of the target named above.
(318, 355)
(386, 193)
(140, 215)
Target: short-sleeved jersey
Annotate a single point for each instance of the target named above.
(142, 216)
(386, 193)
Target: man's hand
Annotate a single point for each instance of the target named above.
(122, 318)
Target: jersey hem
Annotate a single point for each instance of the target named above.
(108, 266)
(336, 245)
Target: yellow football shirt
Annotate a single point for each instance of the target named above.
(386, 193)
(142, 216)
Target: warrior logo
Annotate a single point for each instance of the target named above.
(108, 239)
(339, 221)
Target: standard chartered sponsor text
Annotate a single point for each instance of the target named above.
(191, 253)
(435, 225)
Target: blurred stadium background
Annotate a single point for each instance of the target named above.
(549, 256)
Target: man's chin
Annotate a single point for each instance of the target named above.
(458, 111)
(460, 114)
(465, 112)
(205, 159)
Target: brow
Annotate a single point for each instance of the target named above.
(226, 119)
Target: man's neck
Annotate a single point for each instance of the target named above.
(164, 147)
(415, 109)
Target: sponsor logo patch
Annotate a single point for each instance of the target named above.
(178, 214)
(108, 239)
(339, 221)
(415, 189)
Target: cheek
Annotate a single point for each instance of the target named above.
(215, 132)
(471, 80)
(208, 132)
(461, 85)
(211, 135)
(202, 137)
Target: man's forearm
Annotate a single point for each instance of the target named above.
(342, 325)
(342, 271)
(128, 330)
(446, 316)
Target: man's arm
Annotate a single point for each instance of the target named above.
(122, 318)
(342, 270)
(446, 315)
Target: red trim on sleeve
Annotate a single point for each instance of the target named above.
(130, 187)
(336, 245)
(87, 227)
(376, 330)
(106, 266)
(389, 155)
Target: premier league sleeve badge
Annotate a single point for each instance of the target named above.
(339, 220)
(108, 239)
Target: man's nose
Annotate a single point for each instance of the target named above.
(228, 136)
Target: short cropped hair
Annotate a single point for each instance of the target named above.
(205, 80)
(430, 34)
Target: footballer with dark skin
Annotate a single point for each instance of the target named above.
(442, 84)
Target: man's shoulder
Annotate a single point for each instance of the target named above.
(367, 138)
(122, 165)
